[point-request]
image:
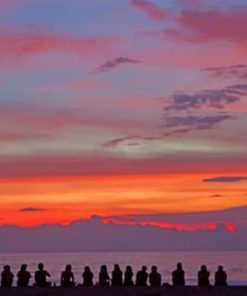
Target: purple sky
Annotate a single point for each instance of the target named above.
(131, 108)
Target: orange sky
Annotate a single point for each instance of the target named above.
(66, 199)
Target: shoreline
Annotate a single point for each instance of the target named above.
(122, 291)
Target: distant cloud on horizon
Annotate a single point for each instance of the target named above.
(232, 179)
(32, 209)
(216, 196)
(178, 232)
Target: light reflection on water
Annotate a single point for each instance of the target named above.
(235, 263)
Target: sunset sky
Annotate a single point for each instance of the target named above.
(123, 109)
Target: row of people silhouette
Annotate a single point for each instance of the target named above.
(118, 278)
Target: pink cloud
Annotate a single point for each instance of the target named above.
(8, 137)
(24, 115)
(211, 25)
(189, 55)
(116, 238)
(192, 221)
(103, 165)
(52, 120)
(211, 226)
(191, 227)
(38, 42)
(151, 9)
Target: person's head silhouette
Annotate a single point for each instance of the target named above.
(220, 268)
(68, 267)
(154, 268)
(23, 267)
(116, 267)
(144, 268)
(40, 266)
(203, 268)
(6, 268)
(103, 268)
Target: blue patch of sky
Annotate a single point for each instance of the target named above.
(79, 17)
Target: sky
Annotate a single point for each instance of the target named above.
(123, 109)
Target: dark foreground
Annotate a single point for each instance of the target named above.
(110, 291)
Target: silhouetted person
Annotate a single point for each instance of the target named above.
(104, 279)
(67, 277)
(87, 276)
(178, 276)
(117, 276)
(41, 275)
(141, 277)
(220, 277)
(6, 277)
(128, 277)
(23, 276)
(203, 277)
(155, 277)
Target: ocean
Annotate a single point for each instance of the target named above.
(235, 263)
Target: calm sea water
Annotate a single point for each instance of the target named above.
(235, 263)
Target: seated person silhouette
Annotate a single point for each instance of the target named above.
(203, 277)
(178, 276)
(87, 276)
(220, 277)
(128, 277)
(23, 276)
(117, 276)
(67, 277)
(41, 275)
(155, 277)
(141, 277)
(6, 277)
(104, 279)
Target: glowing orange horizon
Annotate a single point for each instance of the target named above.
(37, 201)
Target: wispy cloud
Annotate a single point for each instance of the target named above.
(189, 107)
(193, 122)
(238, 89)
(208, 98)
(176, 125)
(233, 71)
(136, 138)
(117, 141)
(154, 11)
(231, 179)
(185, 121)
(114, 63)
